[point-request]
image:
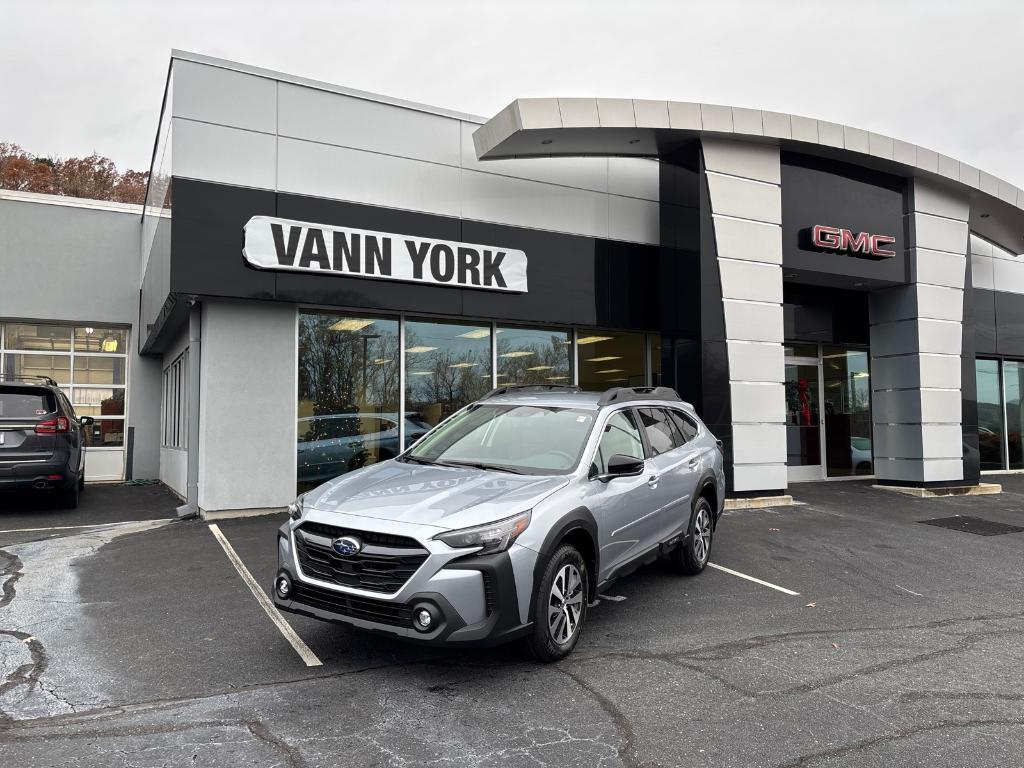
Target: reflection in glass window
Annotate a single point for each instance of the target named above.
(847, 389)
(57, 367)
(621, 437)
(611, 359)
(96, 401)
(104, 433)
(447, 366)
(534, 356)
(990, 414)
(91, 369)
(1013, 384)
(38, 338)
(109, 340)
(348, 395)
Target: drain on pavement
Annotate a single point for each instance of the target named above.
(971, 524)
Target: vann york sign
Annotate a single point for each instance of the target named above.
(298, 246)
(861, 244)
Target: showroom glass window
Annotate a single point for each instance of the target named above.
(348, 392)
(611, 359)
(88, 362)
(990, 414)
(534, 356)
(447, 366)
(1013, 384)
(846, 385)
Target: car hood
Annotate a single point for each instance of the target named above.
(445, 497)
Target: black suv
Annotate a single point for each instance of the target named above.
(41, 441)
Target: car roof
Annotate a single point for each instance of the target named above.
(590, 401)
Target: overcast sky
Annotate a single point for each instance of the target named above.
(80, 76)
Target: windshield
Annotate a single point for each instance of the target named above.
(527, 439)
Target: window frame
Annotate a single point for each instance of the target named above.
(630, 413)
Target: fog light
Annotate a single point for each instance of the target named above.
(283, 587)
(425, 618)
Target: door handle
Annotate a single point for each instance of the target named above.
(653, 481)
(692, 463)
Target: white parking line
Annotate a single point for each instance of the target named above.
(308, 657)
(751, 578)
(88, 525)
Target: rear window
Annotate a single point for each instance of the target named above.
(25, 403)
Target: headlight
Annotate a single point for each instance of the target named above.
(493, 537)
(295, 508)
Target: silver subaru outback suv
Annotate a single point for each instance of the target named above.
(507, 519)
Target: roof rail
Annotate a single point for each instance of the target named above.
(624, 394)
(510, 388)
(31, 379)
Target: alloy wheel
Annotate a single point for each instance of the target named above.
(702, 536)
(565, 604)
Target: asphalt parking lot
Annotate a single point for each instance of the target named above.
(136, 642)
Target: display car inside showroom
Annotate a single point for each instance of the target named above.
(320, 275)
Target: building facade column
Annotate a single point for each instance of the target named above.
(744, 193)
(916, 344)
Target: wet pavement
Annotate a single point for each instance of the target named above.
(136, 643)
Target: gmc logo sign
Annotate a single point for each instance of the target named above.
(863, 244)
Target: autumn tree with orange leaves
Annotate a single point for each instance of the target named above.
(94, 177)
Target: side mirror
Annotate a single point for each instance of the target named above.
(620, 465)
(86, 421)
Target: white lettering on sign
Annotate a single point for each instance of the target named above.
(299, 246)
(862, 243)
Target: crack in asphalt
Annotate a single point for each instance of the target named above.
(863, 744)
(627, 752)
(11, 572)
(25, 674)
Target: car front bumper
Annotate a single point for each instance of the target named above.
(476, 598)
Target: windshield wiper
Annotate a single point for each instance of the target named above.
(417, 460)
(481, 465)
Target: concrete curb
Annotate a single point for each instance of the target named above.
(759, 502)
(231, 514)
(981, 489)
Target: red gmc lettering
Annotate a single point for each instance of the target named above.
(865, 243)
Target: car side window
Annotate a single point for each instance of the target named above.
(661, 433)
(685, 425)
(620, 436)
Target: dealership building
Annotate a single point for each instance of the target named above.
(321, 274)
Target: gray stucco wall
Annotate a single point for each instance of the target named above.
(247, 405)
(78, 261)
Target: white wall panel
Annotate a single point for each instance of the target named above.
(745, 199)
(759, 443)
(1008, 275)
(223, 155)
(756, 477)
(756, 361)
(634, 177)
(757, 403)
(634, 220)
(937, 267)
(366, 177)
(750, 321)
(939, 234)
(750, 280)
(332, 118)
(742, 158)
(929, 197)
(503, 200)
(748, 240)
(174, 470)
(224, 96)
(982, 272)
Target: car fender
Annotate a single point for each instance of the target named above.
(580, 518)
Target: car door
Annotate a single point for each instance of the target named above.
(621, 506)
(673, 471)
(696, 454)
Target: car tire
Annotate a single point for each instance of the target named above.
(554, 633)
(81, 481)
(68, 498)
(691, 556)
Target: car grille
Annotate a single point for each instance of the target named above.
(488, 592)
(368, 609)
(385, 563)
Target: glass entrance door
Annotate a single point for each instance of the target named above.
(803, 413)
(828, 412)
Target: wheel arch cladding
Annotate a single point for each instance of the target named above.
(579, 529)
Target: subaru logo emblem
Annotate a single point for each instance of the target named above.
(347, 545)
